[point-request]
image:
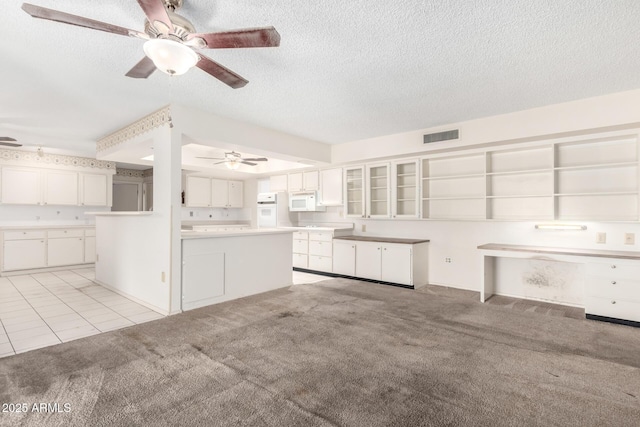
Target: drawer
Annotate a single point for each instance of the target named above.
(300, 246)
(300, 261)
(614, 270)
(610, 307)
(613, 288)
(56, 234)
(320, 248)
(90, 232)
(300, 235)
(322, 236)
(24, 234)
(321, 263)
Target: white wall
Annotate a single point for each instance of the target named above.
(603, 113)
(18, 215)
(140, 255)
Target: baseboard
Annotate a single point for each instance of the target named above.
(342, 276)
(134, 299)
(613, 320)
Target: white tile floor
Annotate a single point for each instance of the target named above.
(43, 309)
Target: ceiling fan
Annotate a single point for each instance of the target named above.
(233, 160)
(9, 142)
(172, 42)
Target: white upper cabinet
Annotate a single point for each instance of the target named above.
(378, 191)
(236, 194)
(404, 189)
(95, 189)
(331, 187)
(60, 187)
(36, 186)
(219, 193)
(198, 192)
(21, 186)
(354, 191)
(212, 192)
(303, 181)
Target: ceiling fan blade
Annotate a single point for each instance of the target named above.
(142, 69)
(248, 163)
(80, 21)
(249, 37)
(156, 11)
(218, 163)
(211, 158)
(7, 139)
(221, 73)
(257, 159)
(10, 144)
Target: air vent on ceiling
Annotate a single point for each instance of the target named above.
(441, 136)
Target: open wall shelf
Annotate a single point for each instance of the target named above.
(589, 179)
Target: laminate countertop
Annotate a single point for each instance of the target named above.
(46, 227)
(561, 251)
(382, 239)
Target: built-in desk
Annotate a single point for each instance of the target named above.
(611, 281)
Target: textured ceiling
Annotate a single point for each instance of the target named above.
(345, 70)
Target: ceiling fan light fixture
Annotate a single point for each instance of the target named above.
(170, 57)
(232, 164)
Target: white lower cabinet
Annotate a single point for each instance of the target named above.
(30, 249)
(612, 289)
(396, 265)
(90, 249)
(65, 250)
(344, 257)
(24, 254)
(313, 249)
(320, 263)
(401, 263)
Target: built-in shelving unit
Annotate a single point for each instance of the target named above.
(405, 189)
(354, 191)
(454, 187)
(378, 201)
(595, 179)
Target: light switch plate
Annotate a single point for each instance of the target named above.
(601, 237)
(629, 238)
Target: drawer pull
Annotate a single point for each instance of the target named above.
(613, 282)
(613, 266)
(613, 302)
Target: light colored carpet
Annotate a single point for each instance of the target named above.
(338, 352)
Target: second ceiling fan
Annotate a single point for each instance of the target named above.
(172, 42)
(233, 160)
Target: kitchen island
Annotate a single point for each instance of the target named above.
(219, 266)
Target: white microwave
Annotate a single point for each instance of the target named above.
(304, 202)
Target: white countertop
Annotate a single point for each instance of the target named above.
(45, 226)
(346, 227)
(187, 234)
(132, 213)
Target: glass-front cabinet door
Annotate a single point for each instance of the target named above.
(404, 189)
(354, 191)
(379, 194)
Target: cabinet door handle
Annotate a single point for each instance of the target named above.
(613, 282)
(385, 249)
(613, 266)
(613, 302)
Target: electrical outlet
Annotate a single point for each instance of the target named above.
(364, 228)
(601, 237)
(447, 260)
(162, 277)
(629, 238)
(190, 213)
